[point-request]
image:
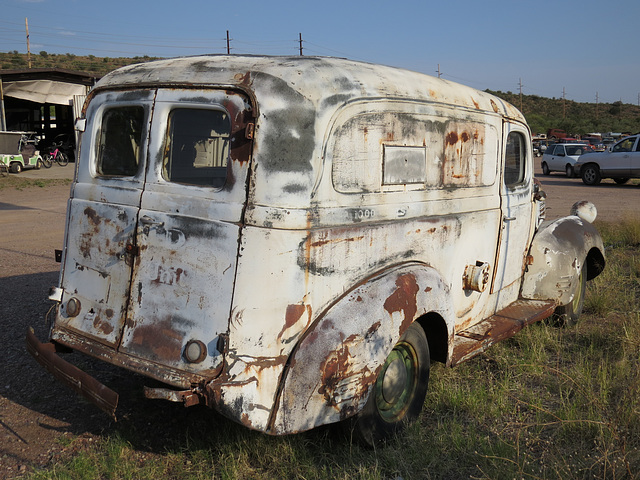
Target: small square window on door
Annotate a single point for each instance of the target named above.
(197, 147)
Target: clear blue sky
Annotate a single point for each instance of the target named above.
(583, 48)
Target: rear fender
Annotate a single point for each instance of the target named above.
(559, 251)
(329, 373)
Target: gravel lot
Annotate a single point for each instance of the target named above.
(36, 412)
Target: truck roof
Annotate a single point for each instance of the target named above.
(326, 82)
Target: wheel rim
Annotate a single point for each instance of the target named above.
(590, 175)
(396, 383)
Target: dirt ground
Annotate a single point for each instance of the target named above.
(39, 416)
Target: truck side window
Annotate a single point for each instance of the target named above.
(197, 147)
(514, 159)
(119, 140)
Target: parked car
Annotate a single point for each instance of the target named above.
(620, 162)
(294, 240)
(562, 157)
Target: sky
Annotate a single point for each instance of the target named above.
(581, 50)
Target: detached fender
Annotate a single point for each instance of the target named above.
(559, 251)
(331, 369)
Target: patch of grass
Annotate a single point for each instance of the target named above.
(13, 181)
(547, 403)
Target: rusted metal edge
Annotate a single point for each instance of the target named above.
(81, 382)
(500, 326)
(187, 397)
(168, 375)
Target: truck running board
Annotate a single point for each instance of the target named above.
(503, 324)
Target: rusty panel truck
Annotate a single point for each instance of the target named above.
(293, 240)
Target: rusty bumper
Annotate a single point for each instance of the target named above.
(83, 383)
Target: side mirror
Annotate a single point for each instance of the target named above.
(81, 124)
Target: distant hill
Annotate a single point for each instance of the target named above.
(541, 113)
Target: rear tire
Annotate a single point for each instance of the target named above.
(569, 171)
(397, 396)
(545, 169)
(15, 168)
(591, 175)
(567, 315)
(621, 181)
(62, 159)
(46, 160)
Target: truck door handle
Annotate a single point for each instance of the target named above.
(148, 221)
(508, 219)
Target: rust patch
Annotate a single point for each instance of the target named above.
(102, 326)
(159, 341)
(293, 315)
(452, 138)
(109, 312)
(465, 137)
(476, 104)
(404, 299)
(92, 215)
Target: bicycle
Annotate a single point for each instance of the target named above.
(56, 155)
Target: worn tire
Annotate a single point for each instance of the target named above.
(567, 315)
(591, 175)
(621, 181)
(15, 168)
(397, 396)
(545, 169)
(569, 171)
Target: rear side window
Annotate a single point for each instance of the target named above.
(119, 141)
(197, 147)
(515, 159)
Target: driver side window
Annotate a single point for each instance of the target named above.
(514, 165)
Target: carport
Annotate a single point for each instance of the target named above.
(42, 100)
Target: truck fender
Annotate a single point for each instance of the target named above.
(559, 251)
(330, 371)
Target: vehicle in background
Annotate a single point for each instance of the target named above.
(556, 133)
(619, 162)
(561, 157)
(18, 151)
(595, 142)
(540, 146)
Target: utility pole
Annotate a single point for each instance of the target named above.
(597, 102)
(26, 24)
(300, 40)
(564, 103)
(228, 44)
(520, 85)
(438, 71)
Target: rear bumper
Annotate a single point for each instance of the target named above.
(83, 383)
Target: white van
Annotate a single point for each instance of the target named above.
(292, 240)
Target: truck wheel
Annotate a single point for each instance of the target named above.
(16, 168)
(397, 396)
(567, 315)
(545, 169)
(591, 175)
